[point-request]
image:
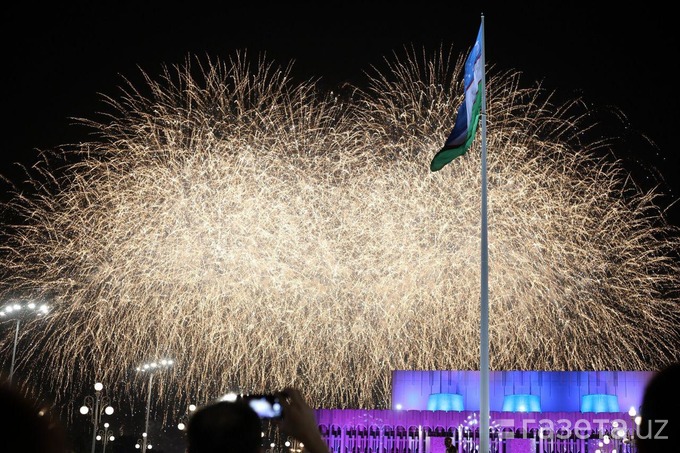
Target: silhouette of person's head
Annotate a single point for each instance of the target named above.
(658, 429)
(224, 427)
(29, 426)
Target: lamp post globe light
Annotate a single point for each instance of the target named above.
(142, 443)
(105, 435)
(16, 311)
(96, 406)
(150, 368)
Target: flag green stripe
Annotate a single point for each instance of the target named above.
(446, 155)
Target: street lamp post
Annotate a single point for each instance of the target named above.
(142, 442)
(97, 406)
(16, 311)
(105, 435)
(150, 368)
(184, 420)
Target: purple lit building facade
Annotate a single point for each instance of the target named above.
(531, 411)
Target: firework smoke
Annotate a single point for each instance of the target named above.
(262, 234)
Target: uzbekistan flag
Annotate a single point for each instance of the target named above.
(464, 129)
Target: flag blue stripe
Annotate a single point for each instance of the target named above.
(462, 125)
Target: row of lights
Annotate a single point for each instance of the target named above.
(16, 311)
(153, 366)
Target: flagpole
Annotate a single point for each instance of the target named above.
(484, 304)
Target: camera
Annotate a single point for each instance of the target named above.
(266, 406)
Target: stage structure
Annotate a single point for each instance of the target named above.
(530, 411)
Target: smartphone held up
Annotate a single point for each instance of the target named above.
(266, 406)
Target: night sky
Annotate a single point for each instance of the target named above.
(57, 61)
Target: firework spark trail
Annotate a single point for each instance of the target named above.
(264, 234)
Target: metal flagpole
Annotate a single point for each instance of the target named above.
(484, 305)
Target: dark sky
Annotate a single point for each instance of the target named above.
(57, 59)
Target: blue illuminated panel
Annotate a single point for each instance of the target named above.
(522, 403)
(599, 403)
(445, 402)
